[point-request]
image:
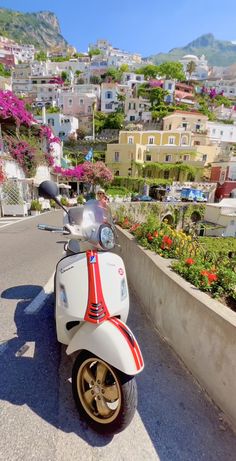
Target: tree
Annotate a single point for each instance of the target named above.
(93, 52)
(65, 76)
(95, 79)
(4, 72)
(191, 67)
(149, 71)
(41, 56)
(114, 121)
(124, 68)
(171, 70)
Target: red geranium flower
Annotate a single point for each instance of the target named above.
(149, 237)
(212, 277)
(189, 261)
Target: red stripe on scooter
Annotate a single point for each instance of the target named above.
(97, 310)
(134, 348)
(137, 348)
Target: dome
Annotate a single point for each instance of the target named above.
(190, 57)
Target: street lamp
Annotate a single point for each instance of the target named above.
(94, 108)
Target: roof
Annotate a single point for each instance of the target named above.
(192, 112)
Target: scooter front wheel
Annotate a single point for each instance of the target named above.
(105, 397)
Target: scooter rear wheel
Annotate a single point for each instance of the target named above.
(104, 396)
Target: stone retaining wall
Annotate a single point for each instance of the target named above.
(201, 330)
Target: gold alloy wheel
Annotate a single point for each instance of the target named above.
(99, 390)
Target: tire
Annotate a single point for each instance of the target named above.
(105, 397)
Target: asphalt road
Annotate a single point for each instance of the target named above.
(175, 420)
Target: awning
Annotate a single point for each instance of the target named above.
(64, 186)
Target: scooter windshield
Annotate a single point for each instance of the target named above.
(89, 219)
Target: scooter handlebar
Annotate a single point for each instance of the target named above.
(60, 230)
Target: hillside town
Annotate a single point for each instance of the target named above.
(174, 122)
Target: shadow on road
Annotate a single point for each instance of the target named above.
(180, 421)
(183, 424)
(35, 380)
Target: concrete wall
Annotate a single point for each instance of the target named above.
(201, 330)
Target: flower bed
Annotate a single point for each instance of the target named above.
(211, 271)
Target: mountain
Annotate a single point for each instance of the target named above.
(40, 29)
(218, 52)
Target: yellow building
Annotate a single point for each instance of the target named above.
(137, 148)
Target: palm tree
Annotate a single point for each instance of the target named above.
(191, 67)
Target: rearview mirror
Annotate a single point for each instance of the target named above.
(48, 189)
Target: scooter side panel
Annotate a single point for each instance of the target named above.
(71, 294)
(114, 284)
(112, 341)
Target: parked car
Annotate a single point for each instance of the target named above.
(171, 198)
(142, 198)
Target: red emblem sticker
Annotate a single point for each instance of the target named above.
(121, 271)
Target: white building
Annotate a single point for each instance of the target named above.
(202, 68)
(109, 97)
(222, 216)
(221, 132)
(62, 125)
(227, 86)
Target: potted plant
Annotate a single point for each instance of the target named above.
(35, 207)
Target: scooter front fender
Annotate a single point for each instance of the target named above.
(112, 341)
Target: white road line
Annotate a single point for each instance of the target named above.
(38, 302)
(3, 347)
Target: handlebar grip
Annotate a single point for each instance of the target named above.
(45, 227)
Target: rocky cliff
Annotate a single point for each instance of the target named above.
(41, 29)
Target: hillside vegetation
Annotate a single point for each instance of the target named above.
(40, 29)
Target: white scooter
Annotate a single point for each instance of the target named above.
(92, 305)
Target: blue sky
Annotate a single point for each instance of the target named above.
(135, 25)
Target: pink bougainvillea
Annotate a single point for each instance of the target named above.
(2, 174)
(12, 107)
(88, 172)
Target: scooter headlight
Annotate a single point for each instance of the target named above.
(106, 237)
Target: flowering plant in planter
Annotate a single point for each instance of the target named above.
(212, 272)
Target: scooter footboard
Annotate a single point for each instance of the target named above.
(112, 341)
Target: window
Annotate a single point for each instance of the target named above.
(198, 126)
(51, 121)
(61, 134)
(170, 126)
(108, 95)
(166, 174)
(132, 118)
(148, 158)
(204, 157)
(214, 131)
(186, 157)
(169, 86)
(221, 133)
(81, 101)
(108, 106)
(171, 140)
(130, 140)
(168, 158)
(151, 140)
(117, 156)
(117, 173)
(196, 143)
(89, 109)
(184, 125)
(184, 140)
(70, 102)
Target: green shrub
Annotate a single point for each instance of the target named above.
(64, 201)
(80, 199)
(35, 205)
